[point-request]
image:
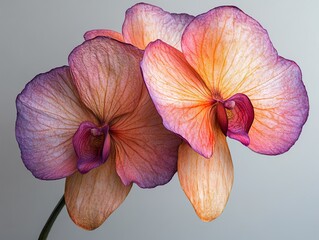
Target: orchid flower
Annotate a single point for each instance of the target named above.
(95, 124)
(145, 23)
(227, 80)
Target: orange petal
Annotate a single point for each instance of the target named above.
(92, 197)
(108, 77)
(103, 33)
(145, 23)
(179, 94)
(206, 182)
(146, 150)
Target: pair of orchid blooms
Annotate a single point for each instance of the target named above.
(160, 97)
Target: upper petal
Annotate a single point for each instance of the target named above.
(103, 33)
(233, 54)
(207, 182)
(145, 23)
(146, 152)
(90, 198)
(180, 95)
(107, 75)
(49, 113)
(225, 46)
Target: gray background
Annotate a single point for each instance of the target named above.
(272, 197)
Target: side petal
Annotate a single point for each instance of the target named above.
(146, 151)
(179, 94)
(234, 54)
(48, 114)
(206, 182)
(281, 108)
(145, 23)
(108, 76)
(103, 33)
(90, 198)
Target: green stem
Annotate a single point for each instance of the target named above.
(48, 225)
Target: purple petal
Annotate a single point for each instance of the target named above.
(48, 114)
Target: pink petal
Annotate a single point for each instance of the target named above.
(92, 146)
(103, 33)
(233, 54)
(207, 182)
(91, 198)
(108, 77)
(146, 151)
(145, 23)
(281, 108)
(49, 113)
(180, 96)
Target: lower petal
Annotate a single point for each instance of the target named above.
(206, 182)
(92, 197)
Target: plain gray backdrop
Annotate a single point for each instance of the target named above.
(272, 197)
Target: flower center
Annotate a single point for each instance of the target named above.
(235, 117)
(92, 146)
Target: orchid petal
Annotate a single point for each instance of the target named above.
(281, 108)
(206, 182)
(146, 151)
(241, 116)
(179, 94)
(225, 46)
(145, 23)
(107, 76)
(49, 113)
(103, 33)
(233, 54)
(90, 198)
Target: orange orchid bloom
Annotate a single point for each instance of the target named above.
(226, 80)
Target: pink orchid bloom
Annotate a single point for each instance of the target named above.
(145, 23)
(95, 124)
(227, 80)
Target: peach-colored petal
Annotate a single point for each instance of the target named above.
(49, 113)
(103, 33)
(180, 95)
(146, 150)
(233, 54)
(90, 198)
(206, 182)
(108, 76)
(145, 23)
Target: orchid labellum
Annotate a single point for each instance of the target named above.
(95, 124)
(226, 80)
